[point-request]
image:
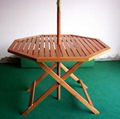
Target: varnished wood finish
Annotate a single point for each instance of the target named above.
(44, 48)
(64, 77)
(72, 75)
(59, 87)
(58, 23)
(86, 93)
(42, 77)
(58, 48)
(48, 92)
(68, 88)
(32, 94)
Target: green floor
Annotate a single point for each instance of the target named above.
(103, 81)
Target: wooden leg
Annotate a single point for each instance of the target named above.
(42, 76)
(68, 88)
(71, 70)
(40, 99)
(65, 85)
(32, 93)
(85, 92)
(80, 82)
(72, 75)
(59, 87)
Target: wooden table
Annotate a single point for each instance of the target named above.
(73, 48)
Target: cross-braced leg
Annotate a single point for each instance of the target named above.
(59, 87)
(80, 82)
(65, 85)
(86, 93)
(72, 75)
(45, 74)
(68, 88)
(32, 93)
(42, 76)
(41, 98)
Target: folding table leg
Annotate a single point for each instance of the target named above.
(42, 76)
(64, 84)
(59, 87)
(85, 92)
(72, 75)
(68, 88)
(40, 99)
(50, 90)
(32, 93)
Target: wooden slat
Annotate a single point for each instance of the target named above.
(98, 44)
(69, 52)
(63, 51)
(72, 47)
(90, 45)
(47, 53)
(63, 59)
(16, 48)
(13, 45)
(78, 48)
(20, 44)
(27, 45)
(82, 46)
(21, 49)
(85, 45)
(41, 53)
(52, 50)
(31, 48)
(36, 50)
(94, 45)
(57, 47)
(54, 44)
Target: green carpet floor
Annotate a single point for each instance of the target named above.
(103, 81)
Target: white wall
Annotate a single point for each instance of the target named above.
(94, 18)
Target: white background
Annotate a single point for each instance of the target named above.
(93, 18)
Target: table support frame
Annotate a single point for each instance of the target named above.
(60, 81)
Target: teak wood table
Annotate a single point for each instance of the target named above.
(59, 48)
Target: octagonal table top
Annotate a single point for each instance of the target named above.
(44, 48)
